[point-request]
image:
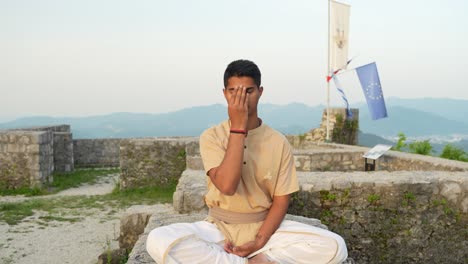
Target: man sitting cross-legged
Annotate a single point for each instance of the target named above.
(251, 176)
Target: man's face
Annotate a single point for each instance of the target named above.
(251, 88)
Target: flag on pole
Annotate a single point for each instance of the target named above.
(370, 83)
(338, 86)
(338, 34)
(367, 77)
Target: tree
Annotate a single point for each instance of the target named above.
(401, 142)
(454, 153)
(420, 147)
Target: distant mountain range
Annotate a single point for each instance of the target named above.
(422, 118)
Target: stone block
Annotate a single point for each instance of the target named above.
(194, 163)
(12, 138)
(327, 157)
(13, 148)
(133, 223)
(306, 166)
(33, 148)
(451, 190)
(190, 191)
(193, 148)
(464, 205)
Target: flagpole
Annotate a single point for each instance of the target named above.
(328, 72)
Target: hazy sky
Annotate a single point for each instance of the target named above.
(86, 57)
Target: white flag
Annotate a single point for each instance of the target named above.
(338, 31)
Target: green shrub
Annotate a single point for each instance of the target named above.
(454, 153)
(420, 147)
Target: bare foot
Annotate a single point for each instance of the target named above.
(261, 259)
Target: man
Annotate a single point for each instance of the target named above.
(251, 176)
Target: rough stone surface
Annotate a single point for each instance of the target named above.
(63, 152)
(102, 152)
(133, 223)
(190, 191)
(26, 158)
(398, 217)
(152, 161)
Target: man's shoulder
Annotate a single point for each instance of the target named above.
(275, 134)
(215, 131)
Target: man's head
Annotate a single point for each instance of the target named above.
(243, 68)
(244, 73)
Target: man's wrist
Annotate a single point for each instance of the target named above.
(261, 240)
(238, 131)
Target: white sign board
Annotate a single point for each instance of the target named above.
(376, 151)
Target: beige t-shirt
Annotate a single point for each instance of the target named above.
(268, 168)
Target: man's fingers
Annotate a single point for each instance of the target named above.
(246, 102)
(242, 97)
(228, 247)
(238, 95)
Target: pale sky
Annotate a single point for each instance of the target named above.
(90, 57)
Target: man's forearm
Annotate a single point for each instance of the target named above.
(226, 177)
(274, 218)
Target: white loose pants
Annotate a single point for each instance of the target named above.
(202, 242)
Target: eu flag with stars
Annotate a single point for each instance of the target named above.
(370, 83)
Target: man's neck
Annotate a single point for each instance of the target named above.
(253, 122)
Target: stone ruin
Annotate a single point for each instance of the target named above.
(412, 209)
(29, 156)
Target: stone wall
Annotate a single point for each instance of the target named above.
(311, 156)
(152, 161)
(63, 152)
(53, 128)
(384, 217)
(26, 158)
(398, 217)
(97, 152)
(62, 147)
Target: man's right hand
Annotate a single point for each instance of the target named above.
(238, 108)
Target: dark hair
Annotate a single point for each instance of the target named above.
(241, 68)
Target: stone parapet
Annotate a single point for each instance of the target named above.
(152, 161)
(311, 156)
(63, 152)
(391, 217)
(103, 152)
(53, 128)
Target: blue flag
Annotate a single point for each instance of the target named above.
(370, 83)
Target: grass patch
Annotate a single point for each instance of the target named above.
(48, 218)
(63, 181)
(23, 191)
(13, 213)
(78, 177)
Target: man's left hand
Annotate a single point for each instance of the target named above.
(243, 250)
